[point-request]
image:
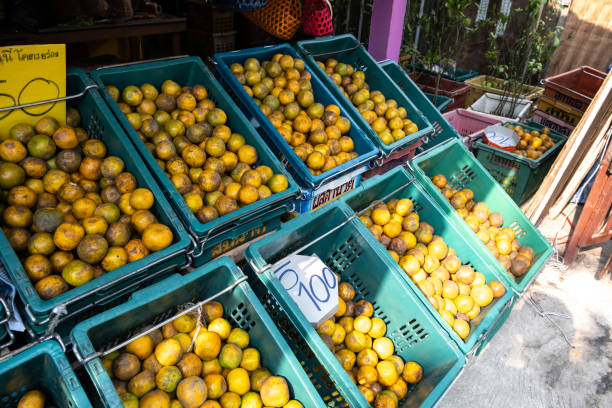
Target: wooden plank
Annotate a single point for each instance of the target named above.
(596, 208)
(571, 164)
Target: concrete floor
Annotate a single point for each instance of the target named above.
(528, 363)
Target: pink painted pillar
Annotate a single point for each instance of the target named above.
(386, 29)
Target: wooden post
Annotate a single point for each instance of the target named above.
(386, 29)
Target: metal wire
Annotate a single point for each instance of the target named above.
(186, 309)
(337, 227)
(63, 98)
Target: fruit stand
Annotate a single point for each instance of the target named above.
(289, 225)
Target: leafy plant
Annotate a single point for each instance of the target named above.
(521, 59)
(434, 36)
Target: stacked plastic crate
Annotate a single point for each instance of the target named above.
(566, 97)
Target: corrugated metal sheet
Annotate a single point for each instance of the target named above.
(590, 21)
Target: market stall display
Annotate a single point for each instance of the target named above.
(373, 256)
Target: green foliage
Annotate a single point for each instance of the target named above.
(522, 58)
(444, 28)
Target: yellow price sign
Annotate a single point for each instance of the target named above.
(32, 73)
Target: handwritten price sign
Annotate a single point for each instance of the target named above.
(311, 284)
(32, 73)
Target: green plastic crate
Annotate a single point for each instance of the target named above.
(99, 123)
(462, 170)
(352, 252)
(442, 129)
(230, 230)
(400, 183)
(161, 301)
(518, 175)
(42, 367)
(346, 48)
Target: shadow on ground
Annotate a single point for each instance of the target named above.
(529, 364)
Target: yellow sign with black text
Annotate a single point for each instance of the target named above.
(32, 73)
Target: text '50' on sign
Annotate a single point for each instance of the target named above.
(311, 284)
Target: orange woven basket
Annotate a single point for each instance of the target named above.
(280, 18)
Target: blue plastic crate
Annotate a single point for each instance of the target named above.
(316, 190)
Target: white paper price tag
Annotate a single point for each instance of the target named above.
(311, 284)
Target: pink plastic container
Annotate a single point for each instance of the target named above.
(469, 124)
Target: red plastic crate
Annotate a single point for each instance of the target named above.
(575, 88)
(453, 89)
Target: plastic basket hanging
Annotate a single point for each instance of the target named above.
(240, 5)
(317, 19)
(280, 18)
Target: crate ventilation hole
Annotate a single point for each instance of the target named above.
(313, 368)
(417, 206)
(95, 129)
(408, 335)
(344, 256)
(518, 231)
(462, 178)
(241, 317)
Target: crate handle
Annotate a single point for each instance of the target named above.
(5, 321)
(83, 360)
(63, 98)
(267, 266)
(60, 311)
(35, 342)
(424, 138)
(355, 166)
(307, 53)
(127, 64)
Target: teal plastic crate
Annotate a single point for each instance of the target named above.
(463, 170)
(99, 123)
(346, 48)
(442, 129)
(441, 101)
(519, 175)
(42, 367)
(230, 230)
(400, 183)
(162, 300)
(348, 248)
(315, 190)
(461, 74)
